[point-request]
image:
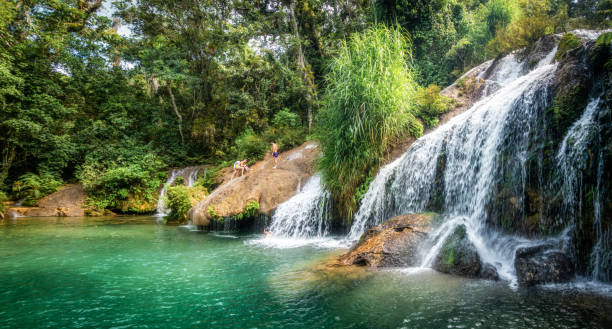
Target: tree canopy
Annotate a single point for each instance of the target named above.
(207, 81)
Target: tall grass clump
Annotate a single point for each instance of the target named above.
(366, 109)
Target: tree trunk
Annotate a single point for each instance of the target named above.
(178, 114)
(302, 64)
(8, 156)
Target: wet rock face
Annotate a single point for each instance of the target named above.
(540, 50)
(489, 272)
(542, 264)
(262, 183)
(458, 255)
(394, 243)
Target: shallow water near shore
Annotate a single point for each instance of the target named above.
(132, 272)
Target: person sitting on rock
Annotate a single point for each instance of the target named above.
(239, 167)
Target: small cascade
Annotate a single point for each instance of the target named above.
(188, 174)
(601, 261)
(572, 160)
(303, 220)
(571, 157)
(306, 215)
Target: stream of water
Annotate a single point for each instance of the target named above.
(131, 272)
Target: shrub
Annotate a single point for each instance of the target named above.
(109, 182)
(284, 118)
(31, 187)
(250, 146)
(285, 137)
(180, 199)
(366, 108)
(430, 104)
(250, 210)
(531, 24)
(209, 180)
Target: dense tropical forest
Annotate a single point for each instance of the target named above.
(112, 94)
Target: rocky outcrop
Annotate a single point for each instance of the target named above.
(458, 255)
(542, 264)
(67, 202)
(262, 183)
(393, 243)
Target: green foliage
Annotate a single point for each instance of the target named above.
(180, 199)
(250, 210)
(213, 214)
(362, 189)
(430, 104)
(3, 199)
(366, 109)
(111, 175)
(285, 138)
(567, 106)
(532, 23)
(600, 56)
(209, 180)
(286, 119)
(250, 146)
(31, 187)
(567, 43)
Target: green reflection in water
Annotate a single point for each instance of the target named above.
(132, 272)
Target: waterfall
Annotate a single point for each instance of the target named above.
(303, 220)
(305, 215)
(454, 167)
(571, 157)
(190, 176)
(572, 160)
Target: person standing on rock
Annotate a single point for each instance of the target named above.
(275, 154)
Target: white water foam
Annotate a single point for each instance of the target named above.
(303, 220)
(469, 142)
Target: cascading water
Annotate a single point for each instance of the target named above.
(188, 174)
(453, 168)
(305, 215)
(303, 220)
(572, 160)
(490, 170)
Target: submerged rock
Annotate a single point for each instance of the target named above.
(489, 272)
(394, 243)
(458, 255)
(262, 183)
(542, 264)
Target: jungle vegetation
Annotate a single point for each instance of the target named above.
(112, 93)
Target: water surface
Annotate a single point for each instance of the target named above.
(134, 273)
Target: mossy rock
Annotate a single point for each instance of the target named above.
(568, 42)
(599, 58)
(458, 255)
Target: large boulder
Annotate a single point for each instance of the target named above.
(394, 243)
(458, 255)
(67, 202)
(542, 264)
(262, 183)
